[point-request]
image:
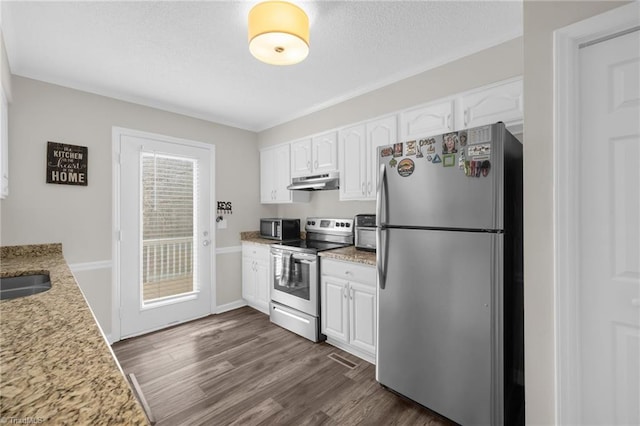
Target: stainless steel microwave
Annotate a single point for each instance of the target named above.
(280, 229)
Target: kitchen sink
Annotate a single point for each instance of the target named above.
(24, 285)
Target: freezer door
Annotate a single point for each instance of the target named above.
(429, 183)
(440, 322)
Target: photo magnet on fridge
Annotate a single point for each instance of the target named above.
(450, 143)
(397, 149)
(410, 148)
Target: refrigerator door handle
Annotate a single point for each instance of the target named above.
(380, 244)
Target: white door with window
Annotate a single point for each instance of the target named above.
(165, 237)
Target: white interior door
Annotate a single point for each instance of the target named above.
(165, 242)
(609, 231)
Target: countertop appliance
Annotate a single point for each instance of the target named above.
(365, 232)
(295, 290)
(449, 260)
(280, 229)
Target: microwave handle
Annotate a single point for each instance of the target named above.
(273, 229)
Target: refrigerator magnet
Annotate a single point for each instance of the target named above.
(406, 167)
(463, 138)
(448, 160)
(393, 162)
(467, 168)
(436, 159)
(431, 146)
(397, 149)
(410, 148)
(429, 158)
(450, 143)
(485, 167)
(386, 151)
(461, 160)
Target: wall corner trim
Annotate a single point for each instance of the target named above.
(230, 306)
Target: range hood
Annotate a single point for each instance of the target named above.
(320, 182)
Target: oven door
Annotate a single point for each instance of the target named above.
(295, 280)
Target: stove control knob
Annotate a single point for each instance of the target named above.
(313, 223)
(308, 222)
(348, 225)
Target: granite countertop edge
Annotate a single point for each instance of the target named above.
(57, 367)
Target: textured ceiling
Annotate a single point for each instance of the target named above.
(193, 57)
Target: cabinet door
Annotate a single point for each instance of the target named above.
(267, 175)
(426, 120)
(362, 316)
(487, 106)
(248, 279)
(282, 174)
(262, 286)
(325, 153)
(353, 170)
(335, 308)
(301, 158)
(380, 132)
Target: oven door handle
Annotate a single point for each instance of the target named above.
(304, 258)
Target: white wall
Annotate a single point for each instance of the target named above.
(540, 20)
(80, 217)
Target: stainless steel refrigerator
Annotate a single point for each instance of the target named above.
(450, 298)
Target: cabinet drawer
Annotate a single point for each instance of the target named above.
(349, 271)
(258, 251)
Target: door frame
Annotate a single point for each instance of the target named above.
(566, 138)
(117, 134)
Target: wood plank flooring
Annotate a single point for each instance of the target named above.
(237, 368)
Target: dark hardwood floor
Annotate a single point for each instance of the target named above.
(238, 368)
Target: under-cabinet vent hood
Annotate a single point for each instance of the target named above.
(316, 182)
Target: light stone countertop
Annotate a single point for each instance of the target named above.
(351, 254)
(56, 365)
(347, 254)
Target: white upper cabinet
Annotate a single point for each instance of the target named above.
(358, 147)
(325, 153)
(301, 158)
(427, 120)
(380, 132)
(353, 162)
(315, 155)
(500, 102)
(4, 146)
(275, 176)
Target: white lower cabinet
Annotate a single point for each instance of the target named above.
(256, 276)
(348, 303)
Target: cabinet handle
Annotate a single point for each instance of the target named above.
(466, 117)
(351, 294)
(275, 194)
(363, 186)
(449, 122)
(315, 165)
(344, 294)
(370, 185)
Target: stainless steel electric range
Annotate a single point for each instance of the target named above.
(295, 290)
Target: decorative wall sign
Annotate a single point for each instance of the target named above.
(225, 207)
(67, 164)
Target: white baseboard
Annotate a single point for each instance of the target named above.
(88, 266)
(230, 306)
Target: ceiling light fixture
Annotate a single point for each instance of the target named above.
(278, 33)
